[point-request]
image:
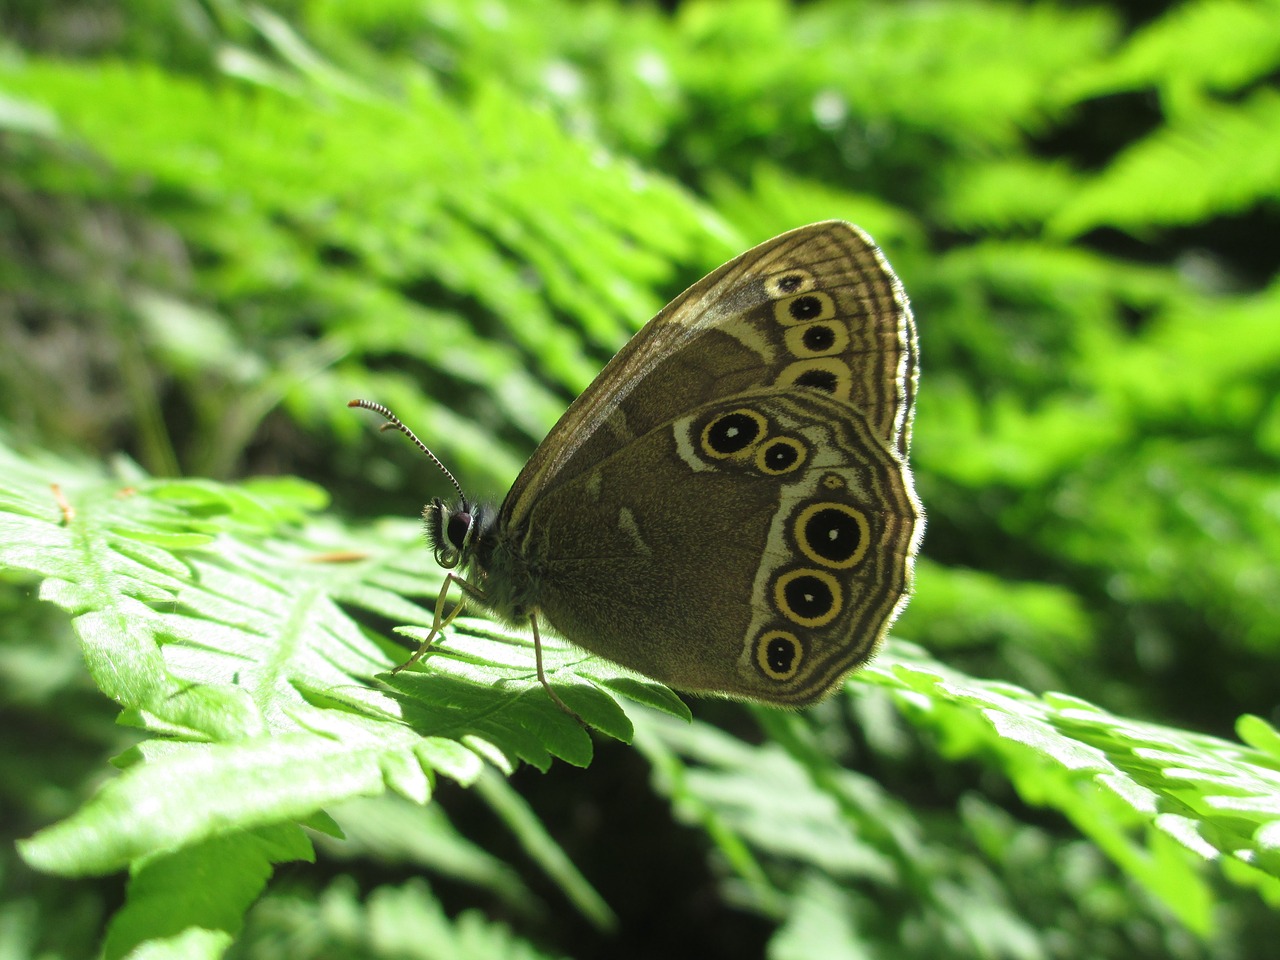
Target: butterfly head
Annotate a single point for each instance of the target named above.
(455, 530)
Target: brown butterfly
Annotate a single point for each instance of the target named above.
(728, 507)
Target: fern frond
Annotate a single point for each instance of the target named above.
(1218, 161)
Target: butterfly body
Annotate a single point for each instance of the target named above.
(728, 507)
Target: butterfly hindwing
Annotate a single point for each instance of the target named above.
(791, 522)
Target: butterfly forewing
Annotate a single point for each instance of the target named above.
(817, 308)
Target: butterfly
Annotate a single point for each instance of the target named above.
(728, 507)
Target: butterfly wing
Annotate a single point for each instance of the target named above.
(757, 547)
(816, 307)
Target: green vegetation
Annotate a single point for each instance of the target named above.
(222, 220)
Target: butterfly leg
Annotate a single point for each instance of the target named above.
(542, 675)
(440, 621)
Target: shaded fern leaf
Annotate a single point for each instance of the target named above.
(391, 922)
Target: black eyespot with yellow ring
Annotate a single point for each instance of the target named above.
(779, 654)
(829, 374)
(733, 434)
(832, 534)
(820, 339)
(805, 308)
(781, 455)
(808, 597)
(788, 283)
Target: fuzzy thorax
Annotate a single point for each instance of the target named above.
(468, 535)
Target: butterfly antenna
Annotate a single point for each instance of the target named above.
(394, 423)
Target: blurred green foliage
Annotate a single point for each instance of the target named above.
(221, 220)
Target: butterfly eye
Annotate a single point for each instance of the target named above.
(458, 526)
